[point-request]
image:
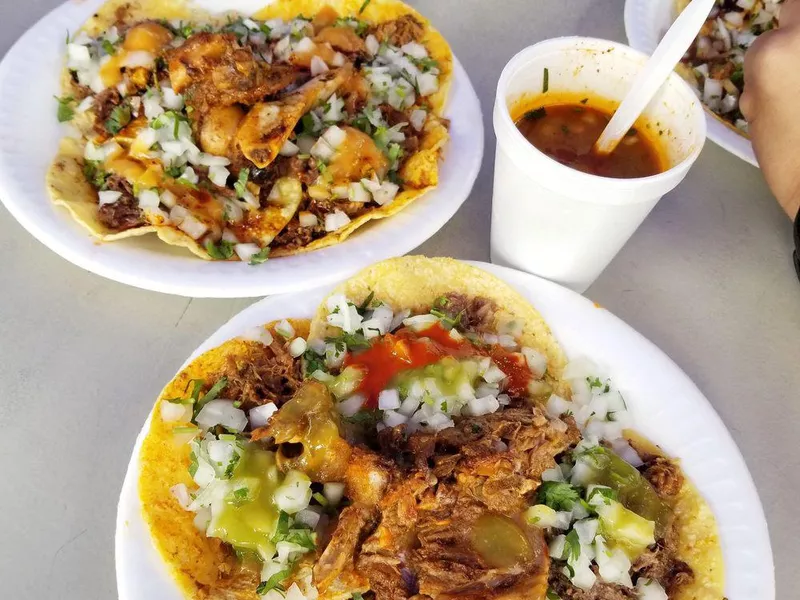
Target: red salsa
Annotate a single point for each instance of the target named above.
(406, 349)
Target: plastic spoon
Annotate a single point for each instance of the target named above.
(658, 68)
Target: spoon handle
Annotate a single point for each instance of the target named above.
(656, 71)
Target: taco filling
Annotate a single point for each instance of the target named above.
(426, 451)
(714, 63)
(244, 137)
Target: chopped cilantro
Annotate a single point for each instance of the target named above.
(737, 77)
(301, 537)
(232, 466)
(365, 418)
(426, 63)
(573, 545)
(536, 113)
(241, 184)
(119, 118)
(367, 302)
(241, 495)
(273, 583)
(307, 123)
(66, 108)
(193, 464)
(174, 171)
(364, 6)
(362, 122)
(395, 152)
(313, 362)
(447, 319)
(605, 492)
(109, 47)
(353, 341)
(265, 29)
(557, 495)
(222, 250)
(259, 257)
(94, 174)
(594, 382)
(546, 80)
(210, 395)
(184, 30)
(551, 595)
(321, 500)
(441, 301)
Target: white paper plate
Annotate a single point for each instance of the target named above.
(29, 135)
(646, 22)
(666, 406)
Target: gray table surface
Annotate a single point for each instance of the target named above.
(707, 278)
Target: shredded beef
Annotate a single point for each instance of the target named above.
(105, 102)
(473, 314)
(285, 166)
(266, 374)
(659, 563)
(599, 591)
(400, 31)
(296, 236)
(664, 475)
(354, 524)
(323, 207)
(393, 116)
(125, 212)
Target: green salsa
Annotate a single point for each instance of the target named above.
(249, 515)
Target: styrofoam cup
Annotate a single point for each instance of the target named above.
(560, 223)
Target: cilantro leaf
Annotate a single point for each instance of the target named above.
(222, 250)
(94, 174)
(551, 595)
(193, 464)
(260, 257)
(119, 118)
(366, 303)
(241, 183)
(210, 395)
(232, 465)
(536, 113)
(573, 545)
(357, 596)
(108, 47)
(174, 171)
(66, 109)
(273, 583)
(546, 80)
(558, 495)
(313, 362)
(364, 6)
(354, 341)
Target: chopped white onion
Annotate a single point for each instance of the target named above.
(734, 18)
(333, 492)
(352, 405)
(309, 518)
(336, 220)
(148, 199)
(537, 362)
(415, 50)
(389, 400)
(304, 46)
(221, 412)
(338, 60)
(138, 58)
(322, 150)
(258, 334)
(372, 44)
(260, 415)
(173, 411)
(181, 494)
(392, 418)
(418, 118)
(170, 99)
(218, 175)
(481, 406)
(385, 193)
(650, 589)
(557, 406)
(289, 149)
(108, 197)
(318, 66)
(427, 84)
(294, 493)
(191, 226)
(246, 251)
(297, 347)
(307, 219)
(334, 136)
(285, 329)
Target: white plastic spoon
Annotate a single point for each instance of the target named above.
(660, 65)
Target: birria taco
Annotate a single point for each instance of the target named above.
(424, 438)
(240, 138)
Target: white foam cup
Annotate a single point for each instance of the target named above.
(560, 223)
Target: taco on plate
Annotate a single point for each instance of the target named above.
(714, 63)
(424, 438)
(240, 137)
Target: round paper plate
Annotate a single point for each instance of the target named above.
(646, 22)
(29, 136)
(667, 408)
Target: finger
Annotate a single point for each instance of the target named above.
(789, 13)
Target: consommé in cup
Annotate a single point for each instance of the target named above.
(560, 223)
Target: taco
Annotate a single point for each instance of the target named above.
(431, 443)
(714, 63)
(243, 138)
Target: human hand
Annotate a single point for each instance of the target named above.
(769, 101)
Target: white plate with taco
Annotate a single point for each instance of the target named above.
(421, 430)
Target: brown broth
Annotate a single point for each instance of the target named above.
(566, 132)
